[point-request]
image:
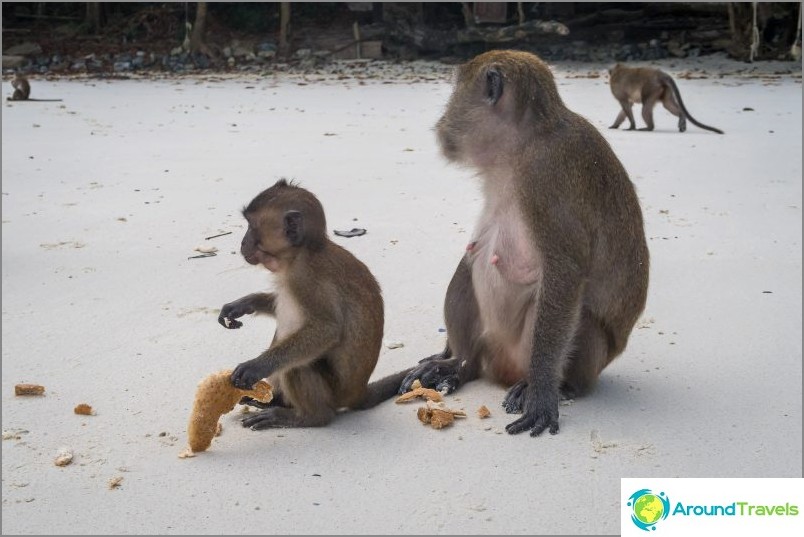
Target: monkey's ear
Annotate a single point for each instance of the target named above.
(494, 85)
(294, 227)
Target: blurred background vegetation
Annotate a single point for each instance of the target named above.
(119, 36)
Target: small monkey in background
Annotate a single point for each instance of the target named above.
(556, 274)
(22, 90)
(648, 86)
(328, 309)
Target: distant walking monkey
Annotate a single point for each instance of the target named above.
(648, 86)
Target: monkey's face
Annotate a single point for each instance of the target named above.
(500, 98)
(471, 112)
(481, 117)
(282, 220)
(271, 237)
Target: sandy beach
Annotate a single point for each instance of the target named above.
(106, 194)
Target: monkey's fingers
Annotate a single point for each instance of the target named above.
(535, 422)
(513, 402)
(250, 401)
(246, 375)
(433, 373)
(274, 418)
(228, 322)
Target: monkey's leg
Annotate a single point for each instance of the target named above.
(619, 120)
(629, 112)
(647, 112)
(460, 361)
(310, 398)
(556, 325)
(669, 102)
(515, 397)
(253, 303)
(299, 349)
(588, 358)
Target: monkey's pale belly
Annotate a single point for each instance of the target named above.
(506, 287)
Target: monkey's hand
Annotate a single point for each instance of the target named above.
(540, 412)
(233, 310)
(434, 372)
(246, 375)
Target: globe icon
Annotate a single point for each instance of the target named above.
(648, 509)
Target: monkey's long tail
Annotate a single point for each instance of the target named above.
(383, 389)
(672, 84)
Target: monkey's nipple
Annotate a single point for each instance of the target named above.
(495, 259)
(471, 246)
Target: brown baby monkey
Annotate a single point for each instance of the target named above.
(648, 86)
(556, 274)
(328, 309)
(22, 90)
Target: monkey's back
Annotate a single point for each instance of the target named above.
(361, 312)
(634, 83)
(595, 204)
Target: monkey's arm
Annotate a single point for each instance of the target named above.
(253, 303)
(304, 346)
(556, 324)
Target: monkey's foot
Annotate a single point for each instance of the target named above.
(434, 372)
(513, 403)
(279, 418)
(539, 410)
(514, 399)
(271, 418)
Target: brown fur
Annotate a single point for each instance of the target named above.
(648, 86)
(328, 308)
(556, 274)
(22, 90)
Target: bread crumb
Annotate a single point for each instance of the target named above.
(63, 457)
(29, 389)
(425, 393)
(437, 415)
(84, 410)
(186, 453)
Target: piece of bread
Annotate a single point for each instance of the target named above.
(29, 389)
(215, 397)
(426, 393)
(438, 416)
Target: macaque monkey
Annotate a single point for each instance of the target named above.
(22, 90)
(556, 274)
(328, 309)
(648, 86)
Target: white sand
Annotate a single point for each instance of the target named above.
(112, 313)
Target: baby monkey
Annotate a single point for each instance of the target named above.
(328, 309)
(648, 86)
(22, 90)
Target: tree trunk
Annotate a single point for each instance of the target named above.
(468, 16)
(284, 27)
(93, 17)
(197, 43)
(741, 19)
